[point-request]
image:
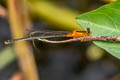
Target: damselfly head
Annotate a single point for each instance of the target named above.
(88, 31)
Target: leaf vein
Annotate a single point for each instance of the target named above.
(113, 8)
(101, 26)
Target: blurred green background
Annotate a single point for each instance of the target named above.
(68, 61)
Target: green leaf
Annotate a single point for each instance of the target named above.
(7, 56)
(104, 21)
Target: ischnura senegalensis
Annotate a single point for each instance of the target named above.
(52, 34)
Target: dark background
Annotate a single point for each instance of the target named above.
(68, 61)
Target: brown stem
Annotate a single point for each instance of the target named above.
(89, 38)
(18, 23)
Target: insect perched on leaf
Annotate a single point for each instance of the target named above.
(53, 34)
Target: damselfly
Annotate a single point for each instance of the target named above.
(52, 34)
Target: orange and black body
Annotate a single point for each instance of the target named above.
(77, 34)
(52, 34)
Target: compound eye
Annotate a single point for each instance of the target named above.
(88, 30)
